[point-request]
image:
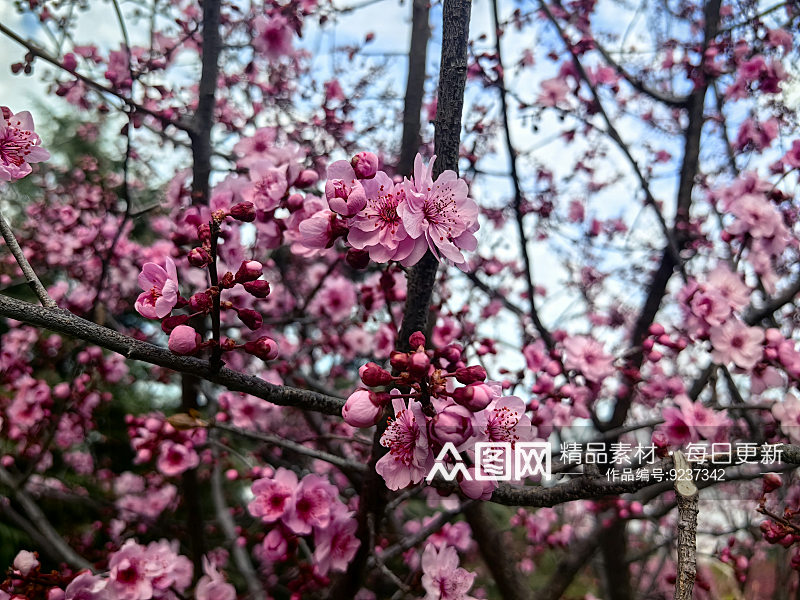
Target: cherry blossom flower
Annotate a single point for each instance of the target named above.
(268, 185)
(160, 287)
(689, 421)
(313, 501)
(343, 190)
(439, 215)
(787, 413)
(442, 578)
(735, 342)
(504, 420)
(25, 562)
(212, 585)
(273, 495)
(409, 458)
(273, 36)
(87, 586)
(336, 545)
(19, 145)
(183, 340)
(128, 573)
(378, 227)
(174, 459)
(587, 355)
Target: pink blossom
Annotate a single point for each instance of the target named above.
(273, 495)
(587, 355)
(504, 420)
(313, 502)
(378, 228)
(360, 410)
(128, 573)
(452, 423)
(87, 586)
(174, 458)
(212, 585)
(755, 216)
(275, 546)
(255, 148)
(19, 145)
(787, 413)
(273, 36)
(25, 562)
(268, 187)
(442, 578)
(336, 545)
(730, 286)
(409, 458)
(439, 215)
(792, 157)
(365, 165)
(160, 290)
(343, 190)
(554, 92)
(688, 421)
(183, 340)
(734, 341)
(336, 298)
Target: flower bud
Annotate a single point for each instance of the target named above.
(306, 178)
(171, 322)
(357, 259)
(249, 271)
(373, 375)
(264, 348)
(360, 409)
(227, 281)
(258, 288)
(199, 257)
(473, 374)
(295, 202)
(365, 164)
(399, 361)
(244, 211)
(419, 363)
(183, 340)
(417, 339)
(275, 546)
(250, 318)
(772, 481)
(201, 302)
(474, 488)
(452, 353)
(452, 424)
(25, 562)
(204, 233)
(475, 396)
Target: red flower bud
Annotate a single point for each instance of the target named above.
(357, 259)
(399, 361)
(475, 396)
(306, 178)
(264, 348)
(373, 375)
(250, 318)
(416, 340)
(244, 211)
(249, 271)
(199, 257)
(419, 363)
(473, 374)
(227, 281)
(201, 302)
(258, 288)
(170, 323)
(204, 233)
(772, 481)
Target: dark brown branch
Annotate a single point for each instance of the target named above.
(64, 322)
(687, 497)
(415, 85)
(494, 551)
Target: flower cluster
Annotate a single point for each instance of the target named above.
(435, 411)
(391, 220)
(302, 507)
(152, 436)
(19, 145)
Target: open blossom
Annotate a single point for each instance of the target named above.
(87, 586)
(504, 420)
(788, 414)
(409, 458)
(689, 421)
(273, 36)
(273, 495)
(587, 355)
(314, 501)
(268, 185)
(212, 585)
(19, 145)
(160, 287)
(378, 228)
(336, 545)
(343, 190)
(442, 578)
(438, 214)
(735, 342)
(174, 459)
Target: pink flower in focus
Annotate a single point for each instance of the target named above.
(343, 190)
(128, 577)
(409, 458)
(735, 342)
(587, 355)
(19, 145)
(378, 228)
(174, 458)
(442, 578)
(504, 420)
(336, 545)
(314, 499)
(273, 495)
(439, 215)
(160, 290)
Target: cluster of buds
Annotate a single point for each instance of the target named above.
(777, 529)
(660, 337)
(426, 375)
